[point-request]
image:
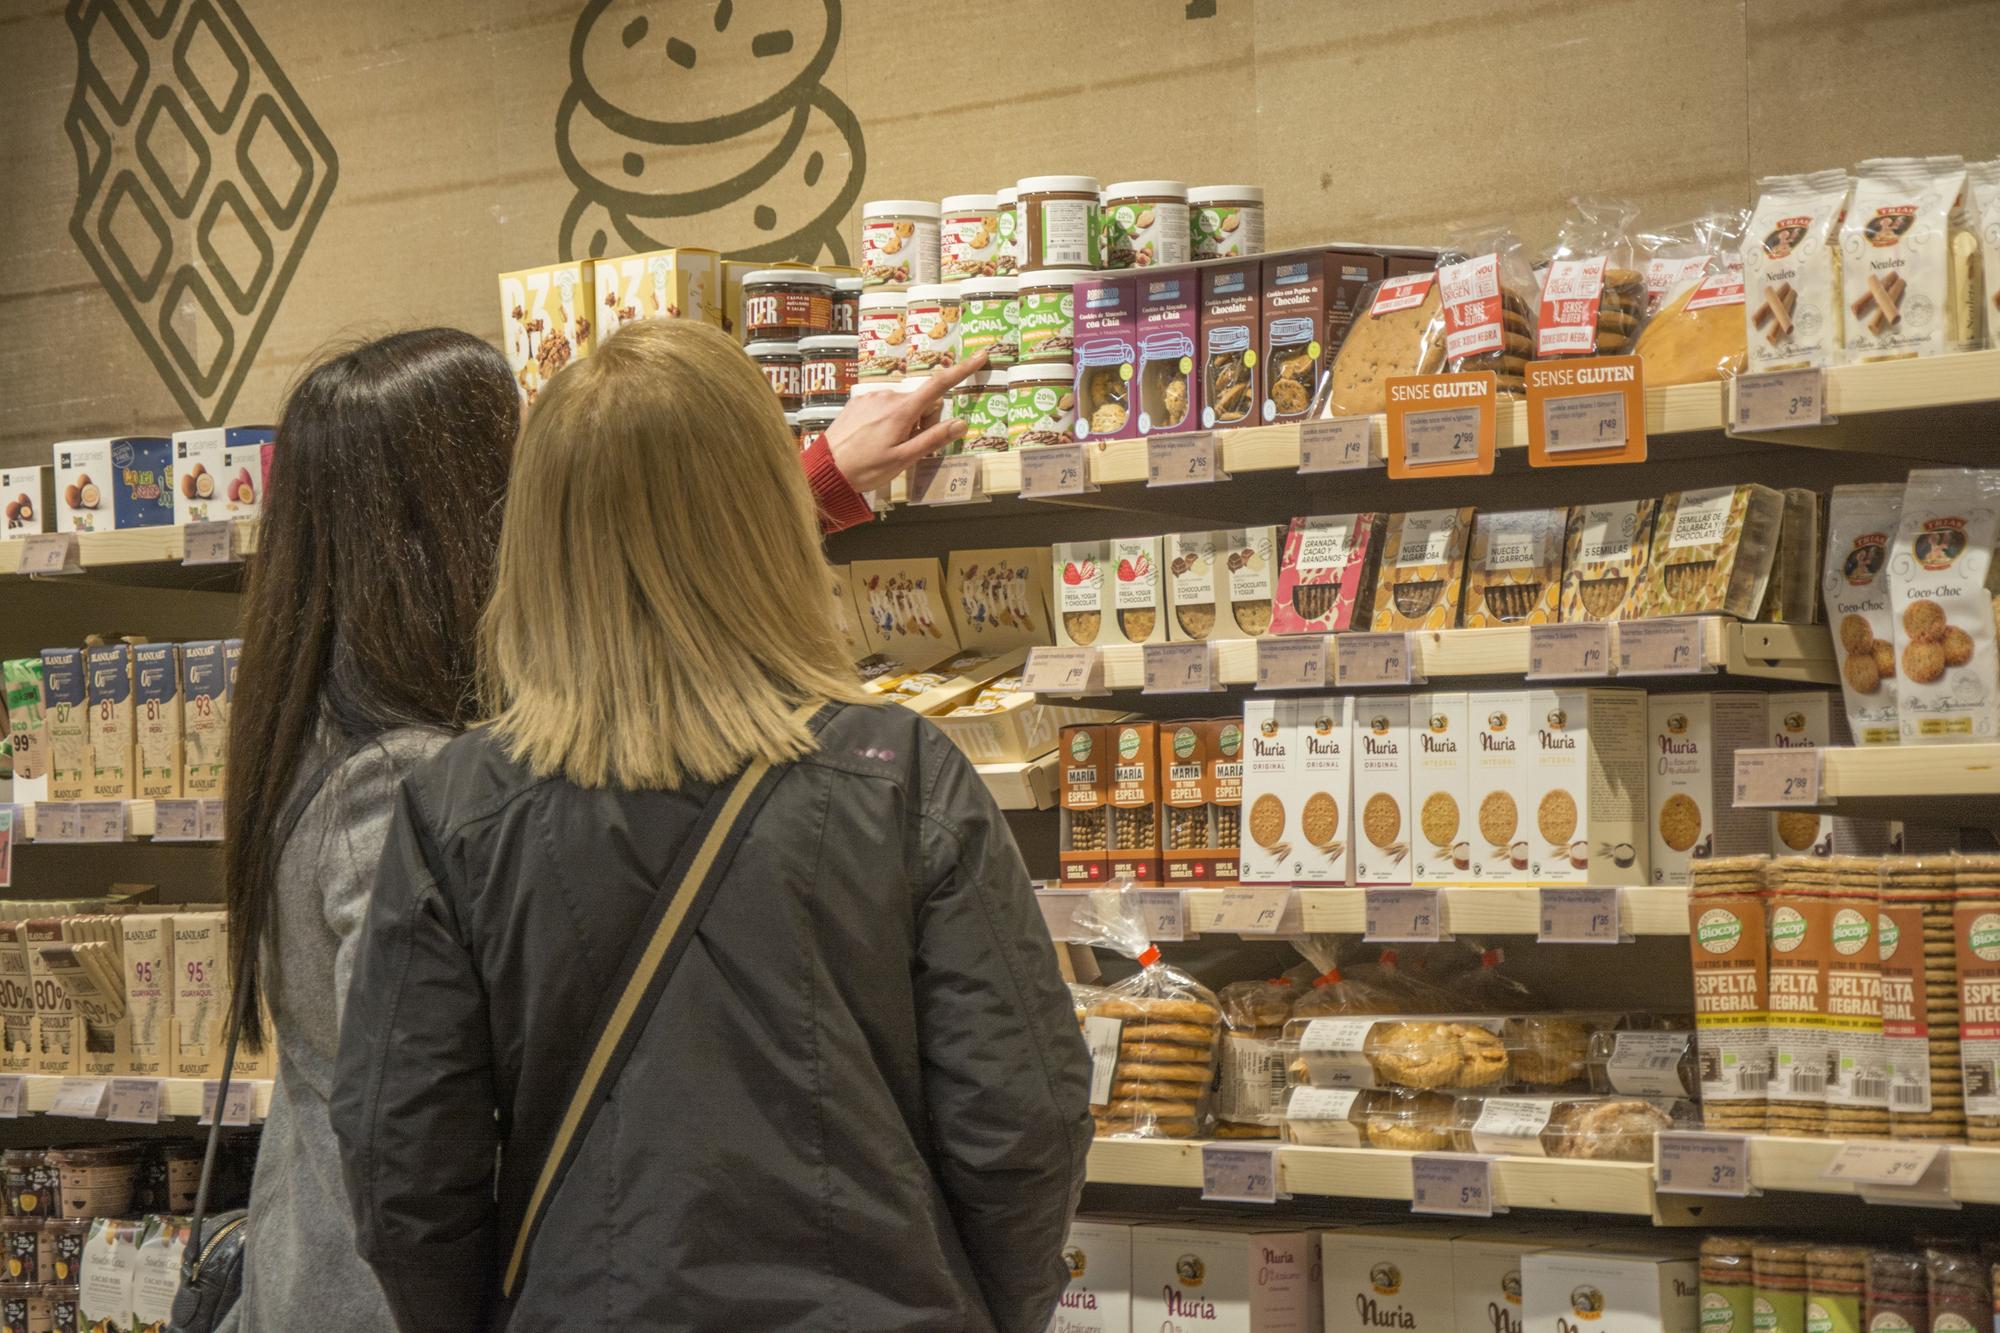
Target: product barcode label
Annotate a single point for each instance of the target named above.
(1807, 1081)
(1647, 1064)
(1909, 1097)
(1871, 1088)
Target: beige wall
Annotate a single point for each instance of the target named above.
(443, 116)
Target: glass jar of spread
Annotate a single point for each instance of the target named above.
(899, 243)
(1041, 404)
(34, 1189)
(884, 336)
(783, 367)
(846, 305)
(983, 402)
(1146, 224)
(932, 320)
(1007, 218)
(21, 1249)
(24, 1308)
(830, 362)
(1226, 221)
(970, 238)
(813, 422)
(1046, 329)
(1058, 219)
(96, 1182)
(786, 304)
(986, 320)
(62, 1257)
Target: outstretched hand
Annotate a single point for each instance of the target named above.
(879, 435)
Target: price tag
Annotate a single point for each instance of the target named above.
(13, 1096)
(1454, 1184)
(1445, 435)
(1291, 662)
(102, 821)
(209, 543)
(137, 1101)
(1586, 410)
(1180, 668)
(241, 1108)
(1716, 1164)
(1183, 460)
(956, 480)
(1593, 422)
(177, 821)
(81, 1098)
(1781, 400)
(1362, 660)
(1580, 916)
(211, 819)
(1251, 911)
(1403, 916)
(1339, 444)
(1647, 1064)
(1055, 470)
(1059, 912)
(50, 553)
(1676, 646)
(1166, 914)
(1074, 671)
(58, 821)
(1239, 1173)
(1778, 777)
(1569, 652)
(1882, 1163)
(1101, 1036)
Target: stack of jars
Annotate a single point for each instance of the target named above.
(800, 329)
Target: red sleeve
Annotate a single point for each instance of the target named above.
(840, 505)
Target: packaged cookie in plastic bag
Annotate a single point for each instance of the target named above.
(1553, 1050)
(1593, 293)
(1897, 251)
(1400, 331)
(1488, 989)
(1488, 294)
(1697, 332)
(1250, 1096)
(1332, 991)
(1791, 271)
(1603, 1129)
(1422, 1053)
(1942, 577)
(1162, 1049)
(1982, 202)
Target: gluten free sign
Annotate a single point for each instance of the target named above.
(1586, 410)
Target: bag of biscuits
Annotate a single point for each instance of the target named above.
(1250, 1094)
(1488, 294)
(1333, 992)
(1791, 272)
(1982, 206)
(1153, 1036)
(1593, 294)
(1486, 989)
(1694, 334)
(1898, 249)
(1398, 330)
(1861, 523)
(1942, 585)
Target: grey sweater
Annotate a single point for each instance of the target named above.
(302, 1265)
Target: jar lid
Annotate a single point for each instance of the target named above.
(801, 276)
(913, 208)
(864, 387)
(771, 348)
(1057, 185)
(1056, 277)
(1006, 194)
(932, 291)
(819, 414)
(884, 300)
(1135, 189)
(988, 380)
(1223, 194)
(847, 286)
(954, 203)
(792, 419)
(980, 289)
(830, 342)
(1037, 372)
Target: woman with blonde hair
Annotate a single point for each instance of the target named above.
(696, 993)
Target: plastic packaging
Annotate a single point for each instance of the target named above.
(1487, 290)
(1251, 1091)
(1601, 1129)
(1958, 1287)
(1791, 271)
(1428, 1054)
(1398, 332)
(1694, 290)
(1593, 296)
(1836, 1277)
(1897, 259)
(1982, 204)
(1645, 1063)
(1897, 1297)
(1406, 1120)
(1333, 992)
(1488, 990)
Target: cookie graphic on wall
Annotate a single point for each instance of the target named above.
(200, 178)
(767, 172)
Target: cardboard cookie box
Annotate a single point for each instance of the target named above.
(1169, 391)
(1587, 786)
(904, 612)
(1219, 584)
(1228, 1278)
(1391, 1277)
(1440, 771)
(1606, 554)
(102, 485)
(1423, 570)
(1515, 568)
(1691, 785)
(1611, 1290)
(547, 319)
(1098, 1298)
(1294, 348)
(1270, 809)
(1199, 844)
(1713, 551)
(999, 596)
(221, 472)
(1326, 578)
(1109, 592)
(1381, 732)
(1085, 800)
(1497, 784)
(1231, 333)
(28, 495)
(1134, 802)
(682, 283)
(1323, 784)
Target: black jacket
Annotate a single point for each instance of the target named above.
(862, 1103)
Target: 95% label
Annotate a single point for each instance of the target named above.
(1233, 1174)
(1451, 1184)
(1778, 777)
(1714, 1164)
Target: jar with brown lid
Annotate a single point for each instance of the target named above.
(830, 362)
(813, 422)
(1059, 222)
(847, 305)
(783, 367)
(786, 304)
(1226, 221)
(1046, 326)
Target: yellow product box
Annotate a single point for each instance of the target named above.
(956, 680)
(681, 283)
(156, 693)
(547, 320)
(149, 991)
(1000, 596)
(113, 733)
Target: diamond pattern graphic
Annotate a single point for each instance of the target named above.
(200, 179)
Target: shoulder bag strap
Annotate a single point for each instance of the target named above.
(667, 928)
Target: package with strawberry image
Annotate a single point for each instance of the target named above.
(1080, 575)
(904, 615)
(1326, 581)
(220, 472)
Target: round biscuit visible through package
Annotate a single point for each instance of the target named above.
(1320, 819)
(1439, 819)
(1680, 821)
(1924, 621)
(1498, 818)
(1923, 660)
(1797, 829)
(1382, 819)
(1253, 618)
(1137, 623)
(1556, 817)
(1197, 620)
(1861, 673)
(1267, 821)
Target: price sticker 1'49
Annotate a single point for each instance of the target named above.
(1337, 444)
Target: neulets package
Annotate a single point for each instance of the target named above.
(1791, 271)
(1941, 582)
(1860, 525)
(1896, 262)
(1983, 194)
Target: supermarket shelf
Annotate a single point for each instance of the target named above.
(183, 1095)
(1029, 786)
(143, 557)
(1926, 783)
(1469, 909)
(141, 822)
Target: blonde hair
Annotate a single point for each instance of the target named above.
(661, 606)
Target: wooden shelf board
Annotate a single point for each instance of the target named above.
(1926, 783)
(134, 546)
(184, 1095)
(1470, 909)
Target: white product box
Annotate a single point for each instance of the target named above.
(1487, 1280)
(83, 486)
(1197, 596)
(17, 1002)
(201, 993)
(220, 471)
(1270, 814)
(1390, 1277)
(149, 992)
(114, 754)
(1497, 785)
(58, 1036)
(1441, 843)
(1136, 605)
(1225, 1281)
(156, 710)
(1323, 790)
(26, 496)
(1082, 576)
(1812, 718)
(1691, 785)
(1382, 825)
(204, 717)
(1610, 1291)
(1098, 1298)
(1587, 786)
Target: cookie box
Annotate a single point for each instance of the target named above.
(1691, 783)
(903, 608)
(1587, 784)
(1230, 337)
(1084, 799)
(1134, 802)
(1713, 551)
(83, 486)
(1610, 1291)
(1107, 329)
(1423, 570)
(1487, 1274)
(956, 680)
(221, 472)
(1169, 392)
(1186, 768)
(1109, 592)
(547, 320)
(1326, 575)
(1271, 747)
(1942, 581)
(1224, 1279)
(1382, 747)
(1427, 1054)
(682, 283)
(1005, 724)
(1098, 1296)
(1219, 583)
(1606, 552)
(28, 495)
(1514, 569)
(1502, 732)
(999, 597)
(1440, 773)
(1644, 1062)
(1390, 1277)
(1602, 1129)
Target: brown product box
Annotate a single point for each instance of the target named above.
(1713, 551)
(1402, 263)
(201, 992)
(1187, 804)
(904, 614)
(1349, 273)
(1976, 930)
(114, 761)
(1225, 778)
(1135, 802)
(1294, 335)
(1801, 945)
(1000, 596)
(1694, 739)
(1514, 570)
(1250, 566)
(17, 1002)
(1729, 946)
(1907, 997)
(1792, 596)
(56, 1045)
(1230, 346)
(1423, 569)
(1605, 557)
(1085, 854)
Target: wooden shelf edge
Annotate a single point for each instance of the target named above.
(131, 546)
(183, 1095)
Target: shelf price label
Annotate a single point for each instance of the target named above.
(1403, 916)
(1292, 662)
(103, 821)
(1779, 778)
(1586, 410)
(1056, 470)
(1676, 646)
(137, 1101)
(1240, 1173)
(241, 1108)
(956, 480)
(1068, 671)
(1248, 911)
(1193, 459)
(80, 1098)
(1441, 425)
(187, 819)
(50, 553)
(1686, 1162)
(209, 543)
(1059, 912)
(1778, 400)
(1338, 444)
(1871, 1163)
(1180, 668)
(1166, 914)
(1569, 652)
(1363, 660)
(1453, 1184)
(58, 821)
(1580, 916)
(13, 1096)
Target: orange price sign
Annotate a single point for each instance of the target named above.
(1441, 425)
(1584, 410)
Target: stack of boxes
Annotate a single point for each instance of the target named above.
(1152, 802)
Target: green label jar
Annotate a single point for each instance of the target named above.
(1048, 315)
(983, 321)
(1042, 406)
(984, 402)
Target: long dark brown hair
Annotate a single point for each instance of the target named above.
(375, 557)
